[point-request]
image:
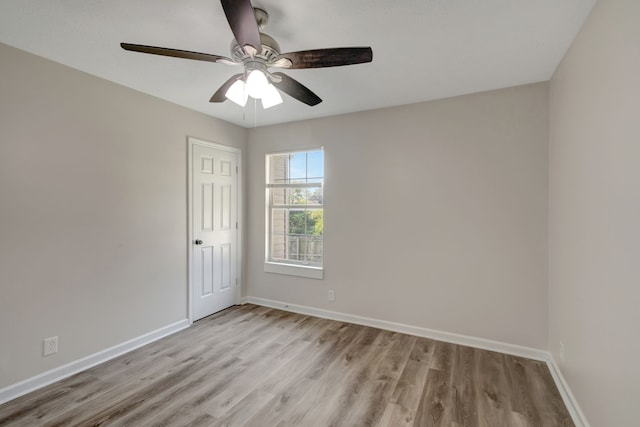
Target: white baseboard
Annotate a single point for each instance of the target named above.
(16, 390)
(569, 399)
(531, 353)
(516, 350)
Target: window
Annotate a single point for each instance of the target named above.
(295, 226)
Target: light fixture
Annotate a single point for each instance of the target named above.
(256, 86)
(237, 93)
(270, 97)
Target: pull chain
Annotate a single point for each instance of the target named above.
(255, 112)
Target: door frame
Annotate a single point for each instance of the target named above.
(191, 142)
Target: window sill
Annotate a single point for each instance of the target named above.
(294, 270)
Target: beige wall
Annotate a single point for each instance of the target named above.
(436, 214)
(594, 214)
(93, 215)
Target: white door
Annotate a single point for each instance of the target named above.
(214, 234)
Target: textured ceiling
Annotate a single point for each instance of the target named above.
(422, 49)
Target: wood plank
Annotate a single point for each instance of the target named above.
(379, 385)
(293, 398)
(408, 391)
(435, 404)
(37, 408)
(493, 401)
(258, 371)
(336, 393)
(545, 395)
(518, 390)
(261, 346)
(434, 407)
(464, 409)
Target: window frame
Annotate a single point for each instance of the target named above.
(290, 267)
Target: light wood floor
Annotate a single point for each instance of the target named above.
(255, 366)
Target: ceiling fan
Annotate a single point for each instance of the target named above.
(258, 52)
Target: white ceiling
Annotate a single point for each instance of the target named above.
(422, 49)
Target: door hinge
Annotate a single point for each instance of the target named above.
(236, 170)
(236, 225)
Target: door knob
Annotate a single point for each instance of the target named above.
(198, 242)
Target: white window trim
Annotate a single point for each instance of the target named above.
(294, 270)
(299, 270)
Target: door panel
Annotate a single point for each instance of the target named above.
(207, 271)
(214, 184)
(207, 207)
(225, 270)
(225, 207)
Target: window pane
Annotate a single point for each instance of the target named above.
(278, 233)
(297, 224)
(278, 246)
(314, 196)
(302, 222)
(314, 249)
(315, 160)
(296, 196)
(279, 168)
(298, 166)
(295, 248)
(314, 222)
(279, 196)
(288, 196)
(307, 249)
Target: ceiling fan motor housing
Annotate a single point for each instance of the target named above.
(270, 50)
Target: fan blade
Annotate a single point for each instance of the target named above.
(176, 53)
(296, 89)
(242, 21)
(219, 96)
(333, 57)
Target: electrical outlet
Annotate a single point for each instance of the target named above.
(561, 351)
(332, 295)
(50, 346)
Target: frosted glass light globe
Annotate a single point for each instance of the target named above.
(237, 93)
(256, 84)
(270, 97)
